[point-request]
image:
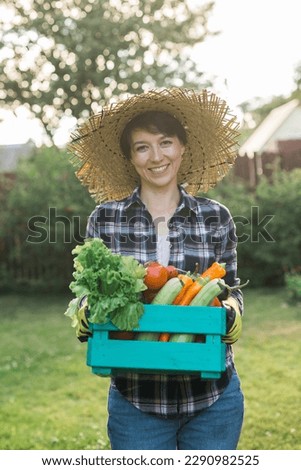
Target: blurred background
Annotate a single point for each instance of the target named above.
(60, 61)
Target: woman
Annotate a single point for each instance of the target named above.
(145, 159)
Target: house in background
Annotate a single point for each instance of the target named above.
(276, 139)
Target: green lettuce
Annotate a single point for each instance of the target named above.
(112, 283)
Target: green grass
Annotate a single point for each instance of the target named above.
(51, 400)
(268, 361)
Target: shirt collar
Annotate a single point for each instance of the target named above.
(134, 199)
(186, 201)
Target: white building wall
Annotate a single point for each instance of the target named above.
(290, 129)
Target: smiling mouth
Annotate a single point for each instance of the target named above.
(159, 169)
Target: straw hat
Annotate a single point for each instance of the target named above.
(210, 151)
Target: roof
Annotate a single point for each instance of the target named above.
(11, 154)
(273, 128)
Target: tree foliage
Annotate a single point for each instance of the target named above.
(46, 190)
(66, 57)
(268, 223)
(43, 216)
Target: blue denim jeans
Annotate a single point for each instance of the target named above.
(217, 427)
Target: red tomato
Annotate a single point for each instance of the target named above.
(171, 271)
(156, 275)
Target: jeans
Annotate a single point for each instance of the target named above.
(218, 427)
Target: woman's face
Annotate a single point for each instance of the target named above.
(156, 158)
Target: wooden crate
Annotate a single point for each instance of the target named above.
(110, 356)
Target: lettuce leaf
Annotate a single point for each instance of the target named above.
(112, 282)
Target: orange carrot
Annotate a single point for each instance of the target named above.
(215, 271)
(188, 281)
(192, 291)
(216, 302)
(164, 337)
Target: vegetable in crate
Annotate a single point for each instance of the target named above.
(165, 295)
(191, 286)
(210, 292)
(156, 275)
(155, 278)
(215, 271)
(113, 284)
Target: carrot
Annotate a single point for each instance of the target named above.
(187, 282)
(192, 291)
(164, 337)
(216, 302)
(215, 271)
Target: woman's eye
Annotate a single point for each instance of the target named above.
(141, 148)
(166, 143)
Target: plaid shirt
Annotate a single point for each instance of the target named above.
(200, 231)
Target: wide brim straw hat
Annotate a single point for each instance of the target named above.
(211, 148)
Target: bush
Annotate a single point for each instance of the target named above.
(43, 218)
(293, 285)
(280, 202)
(268, 221)
(44, 213)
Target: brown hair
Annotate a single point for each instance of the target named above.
(155, 122)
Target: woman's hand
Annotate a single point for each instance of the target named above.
(82, 330)
(233, 324)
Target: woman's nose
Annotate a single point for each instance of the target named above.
(156, 153)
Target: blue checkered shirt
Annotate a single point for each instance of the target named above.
(200, 231)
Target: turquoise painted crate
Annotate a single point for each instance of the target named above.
(110, 356)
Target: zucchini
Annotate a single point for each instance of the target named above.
(147, 336)
(165, 295)
(213, 289)
(204, 297)
(210, 290)
(181, 338)
(168, 292)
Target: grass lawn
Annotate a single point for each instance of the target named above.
(51, 400)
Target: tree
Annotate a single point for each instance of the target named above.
(64, 58)
(297, 80)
